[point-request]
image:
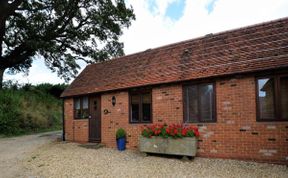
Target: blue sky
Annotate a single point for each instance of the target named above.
(175, 10)
(210, 6)
(161, 22)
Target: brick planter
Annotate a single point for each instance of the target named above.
(186, 146)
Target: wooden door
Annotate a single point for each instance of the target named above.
(95, 119)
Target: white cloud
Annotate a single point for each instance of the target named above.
(153, 29)
(38, 73)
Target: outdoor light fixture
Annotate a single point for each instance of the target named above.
(113, 100)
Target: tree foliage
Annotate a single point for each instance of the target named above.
(60, 32)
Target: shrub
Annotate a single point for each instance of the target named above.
(27, 110)
(173, 130)
(9, 113)
(27, 87)
(54, 90)
(120, 133)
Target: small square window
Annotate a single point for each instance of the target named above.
(140, 107)
(266, 98)
(199, 105)
(284, 97)
(81, 107)
(272, 98)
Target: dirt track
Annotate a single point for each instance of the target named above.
(15, 149)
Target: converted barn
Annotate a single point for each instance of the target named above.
(232, 85)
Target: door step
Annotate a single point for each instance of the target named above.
(92, 145)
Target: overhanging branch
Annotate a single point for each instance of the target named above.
(13, 6)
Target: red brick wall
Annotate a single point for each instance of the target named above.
(236, 134)
(166, 107)
(75, 130)
(117, 117)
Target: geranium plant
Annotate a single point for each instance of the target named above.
(173, 130)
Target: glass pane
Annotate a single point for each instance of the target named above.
(135, 112)
(146, 112)
(135, 100)
(85, 113)
(146, 98)
(95, 104)
(284, 97)
(192, 114)
(266, 98)
(77, 103)
(77, 113)
(146, 107)
(85, 102)
(206, 102)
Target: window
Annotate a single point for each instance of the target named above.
(81, 109)
(140, 107)
(199, 103)
(272, 98)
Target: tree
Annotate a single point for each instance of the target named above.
(61, 32)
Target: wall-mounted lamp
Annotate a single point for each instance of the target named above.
(113, 100)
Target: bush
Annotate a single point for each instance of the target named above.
(120, 133)
(29, 109)
(54, 90)
(9, 113)
(27, 87)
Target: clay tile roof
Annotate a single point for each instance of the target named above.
(253, 48)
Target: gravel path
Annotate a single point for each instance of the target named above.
(13, 150)
(73, 160)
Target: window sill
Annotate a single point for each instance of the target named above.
(270, 121)
(140, 123)
(212, 122)
(80, 119)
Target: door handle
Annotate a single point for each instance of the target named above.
(89, 117)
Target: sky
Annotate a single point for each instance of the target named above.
(162, 22)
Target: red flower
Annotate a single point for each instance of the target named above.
(184, 132)
(196, 133)
(167, 130)
(170, 130)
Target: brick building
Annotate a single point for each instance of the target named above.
(232, 85)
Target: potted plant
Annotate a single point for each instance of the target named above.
(121, 139)
(174, 139)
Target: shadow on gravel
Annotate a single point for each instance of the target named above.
(52, 134)
(92, 145)
(55, 136)
(178, 157)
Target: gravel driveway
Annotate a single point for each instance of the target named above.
(14, 150)
(73, 160)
